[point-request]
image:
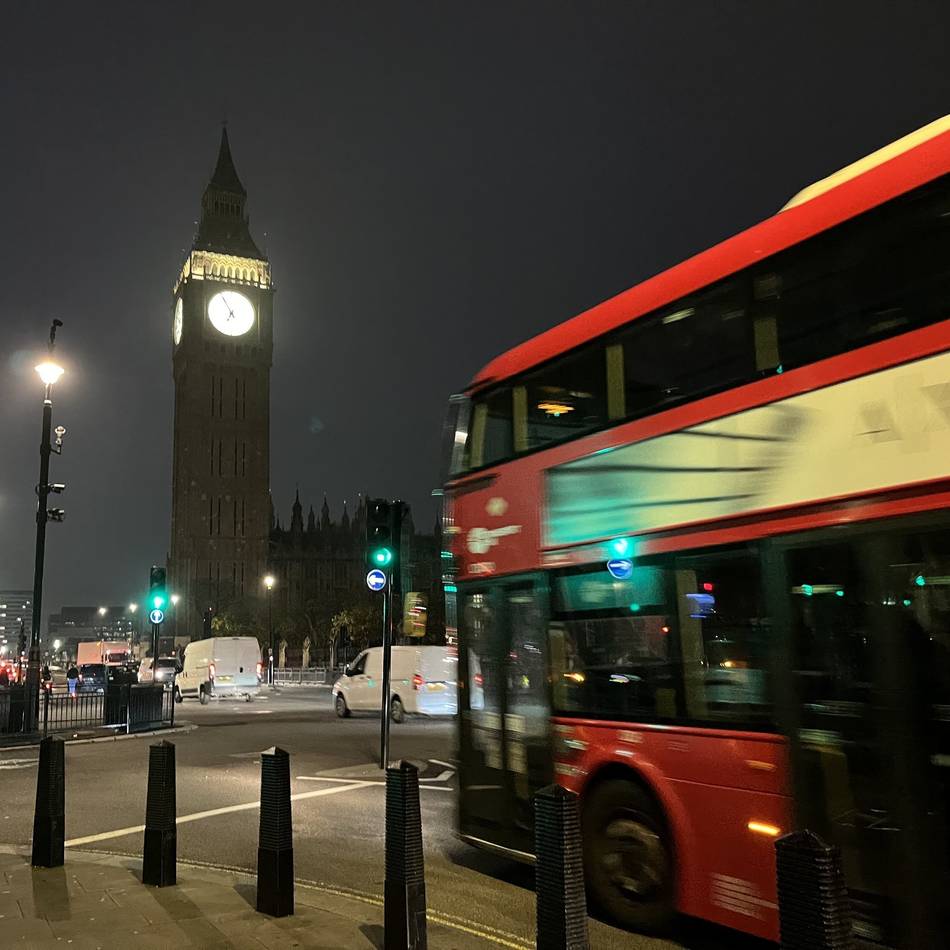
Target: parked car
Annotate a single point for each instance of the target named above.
(422, 680)
(220, 666)
(163, 671)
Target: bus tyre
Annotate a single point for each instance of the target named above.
(341, 708)
(203, 696)
(397, 711)
(628, 862)
(177, 695)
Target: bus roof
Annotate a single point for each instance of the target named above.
(903, 165)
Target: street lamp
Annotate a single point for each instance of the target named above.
(269, 584)
(174, 601)
(49, 373)
(103, 611)
(133, 608)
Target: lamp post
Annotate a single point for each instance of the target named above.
(269, 584)
(175, 598)
(49, 373)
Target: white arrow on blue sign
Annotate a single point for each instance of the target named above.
(620, 567)
(376, 580)
(156, 615)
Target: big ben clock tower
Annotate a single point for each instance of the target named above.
(222, 338)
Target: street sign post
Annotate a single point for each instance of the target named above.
(156, 616)
(376, 579)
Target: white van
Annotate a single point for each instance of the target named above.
(422, 680)
(220, 666)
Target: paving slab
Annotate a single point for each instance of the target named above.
(99, 901)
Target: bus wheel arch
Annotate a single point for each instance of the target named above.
(630, 853)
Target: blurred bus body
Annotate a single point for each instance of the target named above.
(758, 440)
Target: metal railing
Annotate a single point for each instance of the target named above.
(125, 707)
(312, 676)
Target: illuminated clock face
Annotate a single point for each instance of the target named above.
(176, 326)
(231, 313)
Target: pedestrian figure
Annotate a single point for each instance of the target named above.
(72, 678)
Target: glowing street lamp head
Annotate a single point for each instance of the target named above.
(133, 608)
(103, 611)
(49, 372)
(269, 581)
(174, 599)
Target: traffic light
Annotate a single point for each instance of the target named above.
(157, 595)
(381, 543)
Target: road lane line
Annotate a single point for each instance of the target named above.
(442, 776)
(211, 813)
(447, 765)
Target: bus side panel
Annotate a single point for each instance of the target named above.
(711, 786)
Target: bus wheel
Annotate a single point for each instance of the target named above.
(627, 857)
(177, 695)
(203, 696)
(397, 711)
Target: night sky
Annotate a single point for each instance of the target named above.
(433, 182)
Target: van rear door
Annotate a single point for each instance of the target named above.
(437, 686)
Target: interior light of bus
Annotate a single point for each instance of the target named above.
(575, 677)
(553, 408)
(677, 315)
(620, 547)
(764, 828)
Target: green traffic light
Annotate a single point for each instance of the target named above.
(382, 556)
(158, 601)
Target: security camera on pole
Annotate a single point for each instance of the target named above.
(383, 532)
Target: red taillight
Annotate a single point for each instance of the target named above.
(211, 670)
(479, 680)
(417, 681)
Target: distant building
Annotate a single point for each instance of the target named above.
(16, 606)
(73, 625)
(320, 569)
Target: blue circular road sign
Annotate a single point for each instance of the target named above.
(156, 615)
(620, 567)
(376, 580)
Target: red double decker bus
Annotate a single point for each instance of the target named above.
(701, 551)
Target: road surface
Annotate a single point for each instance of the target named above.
(338, 813)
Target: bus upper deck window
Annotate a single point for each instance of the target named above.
(491, 435)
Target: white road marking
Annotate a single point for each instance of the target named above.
(8, 764)
(447, 765)
(211, 813)
(443, 777)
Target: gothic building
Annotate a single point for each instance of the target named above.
(319, 566)
(222, 341)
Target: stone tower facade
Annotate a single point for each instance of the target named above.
(222, 339)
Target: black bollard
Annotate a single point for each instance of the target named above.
(404, 914)
(161, 837)
(49, 819)
(813, 906)
(275, 847)
(559, 871)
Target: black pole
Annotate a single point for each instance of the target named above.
(42, 493)
(404, 891)
(49, 818)
(161, 836)
(270, 633)
(559, 871)
(275, 844)
(387, 664)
